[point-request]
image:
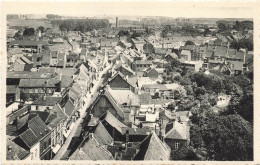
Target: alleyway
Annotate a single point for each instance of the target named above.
(64, 151)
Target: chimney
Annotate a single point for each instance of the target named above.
(91, 135)
(127, 136)
(60, 77)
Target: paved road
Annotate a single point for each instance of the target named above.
(64, 151)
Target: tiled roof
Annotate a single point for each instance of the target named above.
(152, 148)
(47, 100)
(38, 127)
(237, 65)
(138, 131)
(15, 51)
(125, 97)
(66, 81)
(143, 62)
(186, 52)
(179, 131)
(160, 51)
(220, 51)
(113, 121)
(29, 138)
(38, 82)
(102, 136)
(92, 150)
(209, 54)
(28, 43)
(173, 55)
(69, 108)
(14, 151)
(66, 71)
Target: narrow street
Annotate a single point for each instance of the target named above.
(64, 151)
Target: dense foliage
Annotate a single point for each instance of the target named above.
(82, 25)
(217, 133)
(29, 32)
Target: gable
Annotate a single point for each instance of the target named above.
(119, 82)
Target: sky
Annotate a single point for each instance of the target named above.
(154, 8)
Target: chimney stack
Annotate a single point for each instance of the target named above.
(116, 21)
(127, 136)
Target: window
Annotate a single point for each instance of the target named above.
(31, 156)
(36, 153)
(177, 144)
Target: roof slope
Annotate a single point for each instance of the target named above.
(92, 150)
(152, 148)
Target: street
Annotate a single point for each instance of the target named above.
(65, 150)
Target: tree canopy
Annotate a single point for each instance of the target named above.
(82, 25)
(28, 32)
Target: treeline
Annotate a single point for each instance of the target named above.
(53, 16)
(12, 16)
(82, 25)
(225, 26)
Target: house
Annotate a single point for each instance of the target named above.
(56, 126)
(152, 148)
(119, 81)
(151, 57)
(117, 102)
(45, 102)
(141, 65)
(177, 135)
(36, 139)
(113, 125)
(220, 53)
(185, 55)
(192, 65)
(162, 90)
(160, 52)
(12, 94)
(124, 69)
(15, 152)
(126, 58)
(170, 57)
(57, 41)
(108, 43)
(91, 149)
(151, 72)
(232, 67)
(28, 46)
(125, 44)
(33, 88)
(14, 54)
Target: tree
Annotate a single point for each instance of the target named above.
(41, 28)
(189, 43)
(222, 27)
(228, 138)
(175, 63)
(28, 32)
(18, 36)
(185, 153)
(148, 48)
(135, 34)
(171, 106)
(123, 33)
(206, 32)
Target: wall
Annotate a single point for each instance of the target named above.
(171, 143)
(35, 152)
